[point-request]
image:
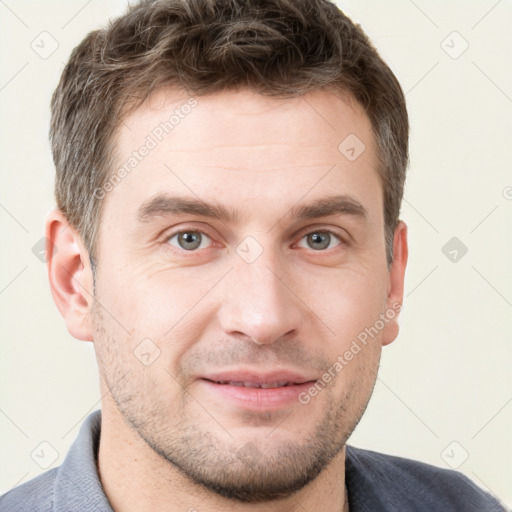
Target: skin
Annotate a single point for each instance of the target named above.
(167, 441)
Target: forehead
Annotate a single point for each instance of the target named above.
(242, 146)
(244, 117)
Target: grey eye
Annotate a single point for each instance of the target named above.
(188, 240)
(320, 240)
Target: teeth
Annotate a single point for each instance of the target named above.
(249, 385)
(268, 385)
(274, 385)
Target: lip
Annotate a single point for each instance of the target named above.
(227, 387)
(259, 377)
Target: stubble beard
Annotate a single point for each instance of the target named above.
(248, 472)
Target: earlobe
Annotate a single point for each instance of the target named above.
(396, 283)
(70, 275)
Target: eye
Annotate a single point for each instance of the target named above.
(188, 239)
(321, 240)
(192, 239)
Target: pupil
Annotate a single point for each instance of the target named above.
(190, 240)
(320, 241)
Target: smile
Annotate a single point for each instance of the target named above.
(268, 385)
(258, 392)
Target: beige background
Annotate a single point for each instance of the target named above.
(445, 387)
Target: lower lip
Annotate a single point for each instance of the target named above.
(258, 398)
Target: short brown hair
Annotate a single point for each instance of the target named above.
(279, 48)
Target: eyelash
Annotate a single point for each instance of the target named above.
(167, 238)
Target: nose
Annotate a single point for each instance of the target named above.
(259, 303)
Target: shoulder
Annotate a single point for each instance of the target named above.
(36, 495)
(388, 479)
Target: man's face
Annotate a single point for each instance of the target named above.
(211, 340)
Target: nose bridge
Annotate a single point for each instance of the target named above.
(256, 302)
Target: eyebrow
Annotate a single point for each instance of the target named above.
(163, 205)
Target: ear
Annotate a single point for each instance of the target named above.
(70, 275)
(396, 283)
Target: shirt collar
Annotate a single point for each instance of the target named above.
(77, 485)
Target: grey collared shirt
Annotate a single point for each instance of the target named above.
(73, 486)
(375, 483)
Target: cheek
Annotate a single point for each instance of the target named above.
(153, 298)
(350, 303)
(134, 362)
(355, 366)
(153, 317)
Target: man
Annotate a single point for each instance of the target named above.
(229, 180)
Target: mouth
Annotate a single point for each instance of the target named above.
(262, 385)
(256, 391)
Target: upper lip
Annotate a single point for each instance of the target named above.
(259, 377)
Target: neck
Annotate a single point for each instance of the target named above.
(135, 478)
